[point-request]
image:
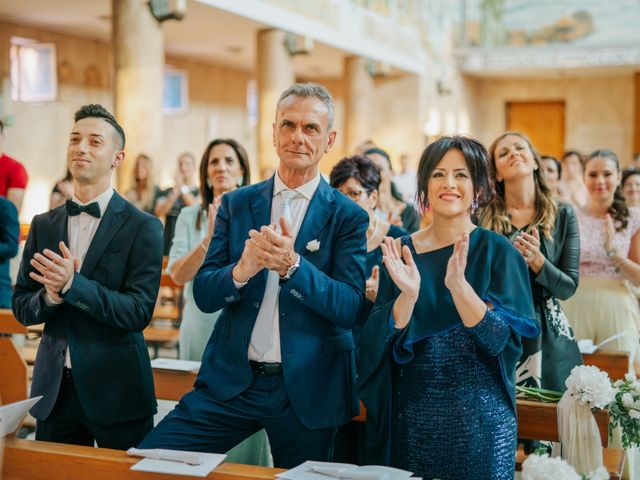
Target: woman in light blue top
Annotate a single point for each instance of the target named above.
(223, 168)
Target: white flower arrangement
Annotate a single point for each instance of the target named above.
(625, 409)
(590, 386)
(542, 467)
(313, 246)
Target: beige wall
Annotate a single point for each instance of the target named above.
(599, 110)
(39, 134)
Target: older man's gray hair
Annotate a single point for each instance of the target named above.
(310, 89)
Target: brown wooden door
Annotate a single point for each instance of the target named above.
(542, 122)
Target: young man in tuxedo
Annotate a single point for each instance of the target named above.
(90, 272)
(287, 266)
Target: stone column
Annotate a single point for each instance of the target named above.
(358, 101)
(274, 71)
(139, 71)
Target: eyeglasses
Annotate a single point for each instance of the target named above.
(354, 194)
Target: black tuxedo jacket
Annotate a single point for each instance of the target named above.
(110, 302)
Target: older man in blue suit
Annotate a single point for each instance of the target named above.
(286, 264)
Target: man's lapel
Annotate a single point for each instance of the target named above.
(260, 205)
(112, 219)
(58, 230)
(316, 217)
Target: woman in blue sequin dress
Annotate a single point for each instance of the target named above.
(440, 347)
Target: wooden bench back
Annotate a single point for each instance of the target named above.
(35, 460)
(13, 373)
(614, 362)
(9, 324)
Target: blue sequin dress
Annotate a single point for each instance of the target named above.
(444, 392)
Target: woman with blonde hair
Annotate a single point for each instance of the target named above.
(546, 234)
(144, 193)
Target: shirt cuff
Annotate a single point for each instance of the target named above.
(66, 288)
(50, 302)
(237, 284)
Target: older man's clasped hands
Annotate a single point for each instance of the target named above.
(266, 248)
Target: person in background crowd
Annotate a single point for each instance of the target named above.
(144, 193)
(364, 146)
(406, 180)
(604, 305)
(391, 206)
(358, 178)
(572, 181)
(551, 170)
(546, 234)
(440, 348)
(223, 168)
(610, 252)
(90, 272)
(62, 191)
(636, 161)
(9, 234)
(631, 187)
(13, 176)
(182, 194)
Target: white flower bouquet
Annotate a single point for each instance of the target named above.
(542, 467)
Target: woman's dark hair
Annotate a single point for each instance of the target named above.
(375, 150)
(618, 209)
(556, 163)
(206, 192)
(495, 217)
(628, 172)
(475, 156)
(358, 167)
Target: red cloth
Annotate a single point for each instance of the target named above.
(12, 174)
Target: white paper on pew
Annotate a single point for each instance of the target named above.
(311, 470)
(12, 414)
(587, 345)
(173, 364)
(209, 462)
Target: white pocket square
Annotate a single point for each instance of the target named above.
(313, 246)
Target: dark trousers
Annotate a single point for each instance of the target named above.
(68, 423)
(202, 424)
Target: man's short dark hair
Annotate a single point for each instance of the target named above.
(98, 111)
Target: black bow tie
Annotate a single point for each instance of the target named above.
(74, 209)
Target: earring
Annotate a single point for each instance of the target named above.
(474, 205)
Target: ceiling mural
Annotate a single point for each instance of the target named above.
(517, 23)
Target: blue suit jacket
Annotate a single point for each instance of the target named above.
(317, 306)
(109, 303)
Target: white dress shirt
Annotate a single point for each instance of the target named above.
(80, 231)
(267, 322)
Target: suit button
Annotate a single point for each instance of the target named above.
(62, 353)
(230, 298)
(245, 341)
(256, 305)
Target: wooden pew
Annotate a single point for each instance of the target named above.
(35, 460)
(172, 384)
(614, 362)
(13, 369)
(9, 324)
